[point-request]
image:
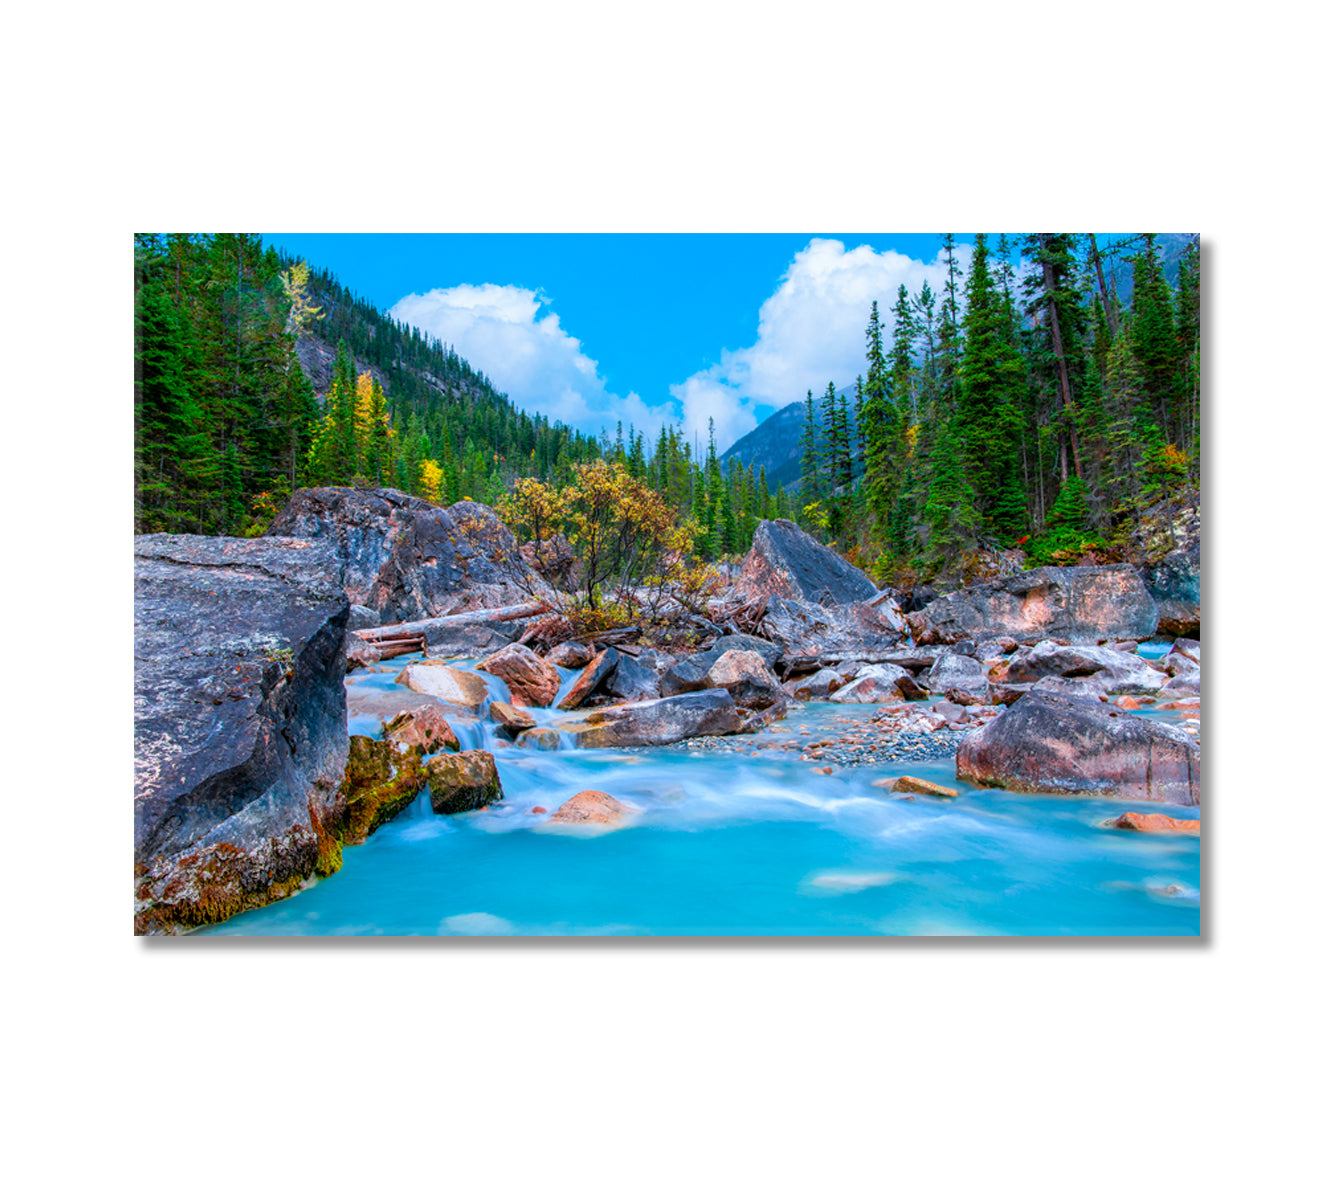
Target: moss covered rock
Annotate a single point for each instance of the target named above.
(382, 779)
(461, 782)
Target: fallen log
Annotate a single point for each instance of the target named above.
(613, 635)
(515, 612)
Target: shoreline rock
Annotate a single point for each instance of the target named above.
(1078, 603)
(240, 723)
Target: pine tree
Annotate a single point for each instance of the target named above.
(810, 455)
(902, 373)
(948, 332)
(950, 515)
(879, 428)
(1152, 335)
(989, 422)
(1054, 302)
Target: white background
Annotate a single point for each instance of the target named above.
(641, 1070)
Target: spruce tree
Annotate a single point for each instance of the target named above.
(879, 427)
(810, 455)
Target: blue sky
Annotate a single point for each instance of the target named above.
(644, 328)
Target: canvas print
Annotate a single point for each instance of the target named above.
(667, 584)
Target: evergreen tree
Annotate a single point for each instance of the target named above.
(989, 421)
(1152, 332)
(810, 455)
(950, 515)
(879, 426)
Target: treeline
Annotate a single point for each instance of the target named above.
(726, 501)
(1037, 410)
(1011, 410)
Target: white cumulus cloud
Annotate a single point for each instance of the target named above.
(811, 330)
(502, 331)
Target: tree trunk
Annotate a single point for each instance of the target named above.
(1108, 301)
(1067, 397)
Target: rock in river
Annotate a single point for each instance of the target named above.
(532, 682)
(460, 782)
(382, 779)
(744, 676)
(591, 808)
(447, 683)
(590, 679)
(656, 722)
(425, 728)
(920, 787)
(1154, 823)
(511, 719)
(240, 732)
(1050, 743)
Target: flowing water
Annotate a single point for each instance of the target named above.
(743, 841)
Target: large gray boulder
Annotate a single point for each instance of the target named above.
(240, 722)
(631, 679)
(784, 561)
(409, 559)
(805, 630)
(957, 671)
(655, 722)
(769, 651)
(742, 674)
(1048, 743)
(1077, 603)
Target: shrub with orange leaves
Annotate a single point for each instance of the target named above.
(634, 555)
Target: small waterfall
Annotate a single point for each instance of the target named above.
(474, 735)
(420, 809)
(567, 677)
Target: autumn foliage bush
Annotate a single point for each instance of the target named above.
(634, 554)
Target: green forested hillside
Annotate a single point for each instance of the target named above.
(228, 423)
